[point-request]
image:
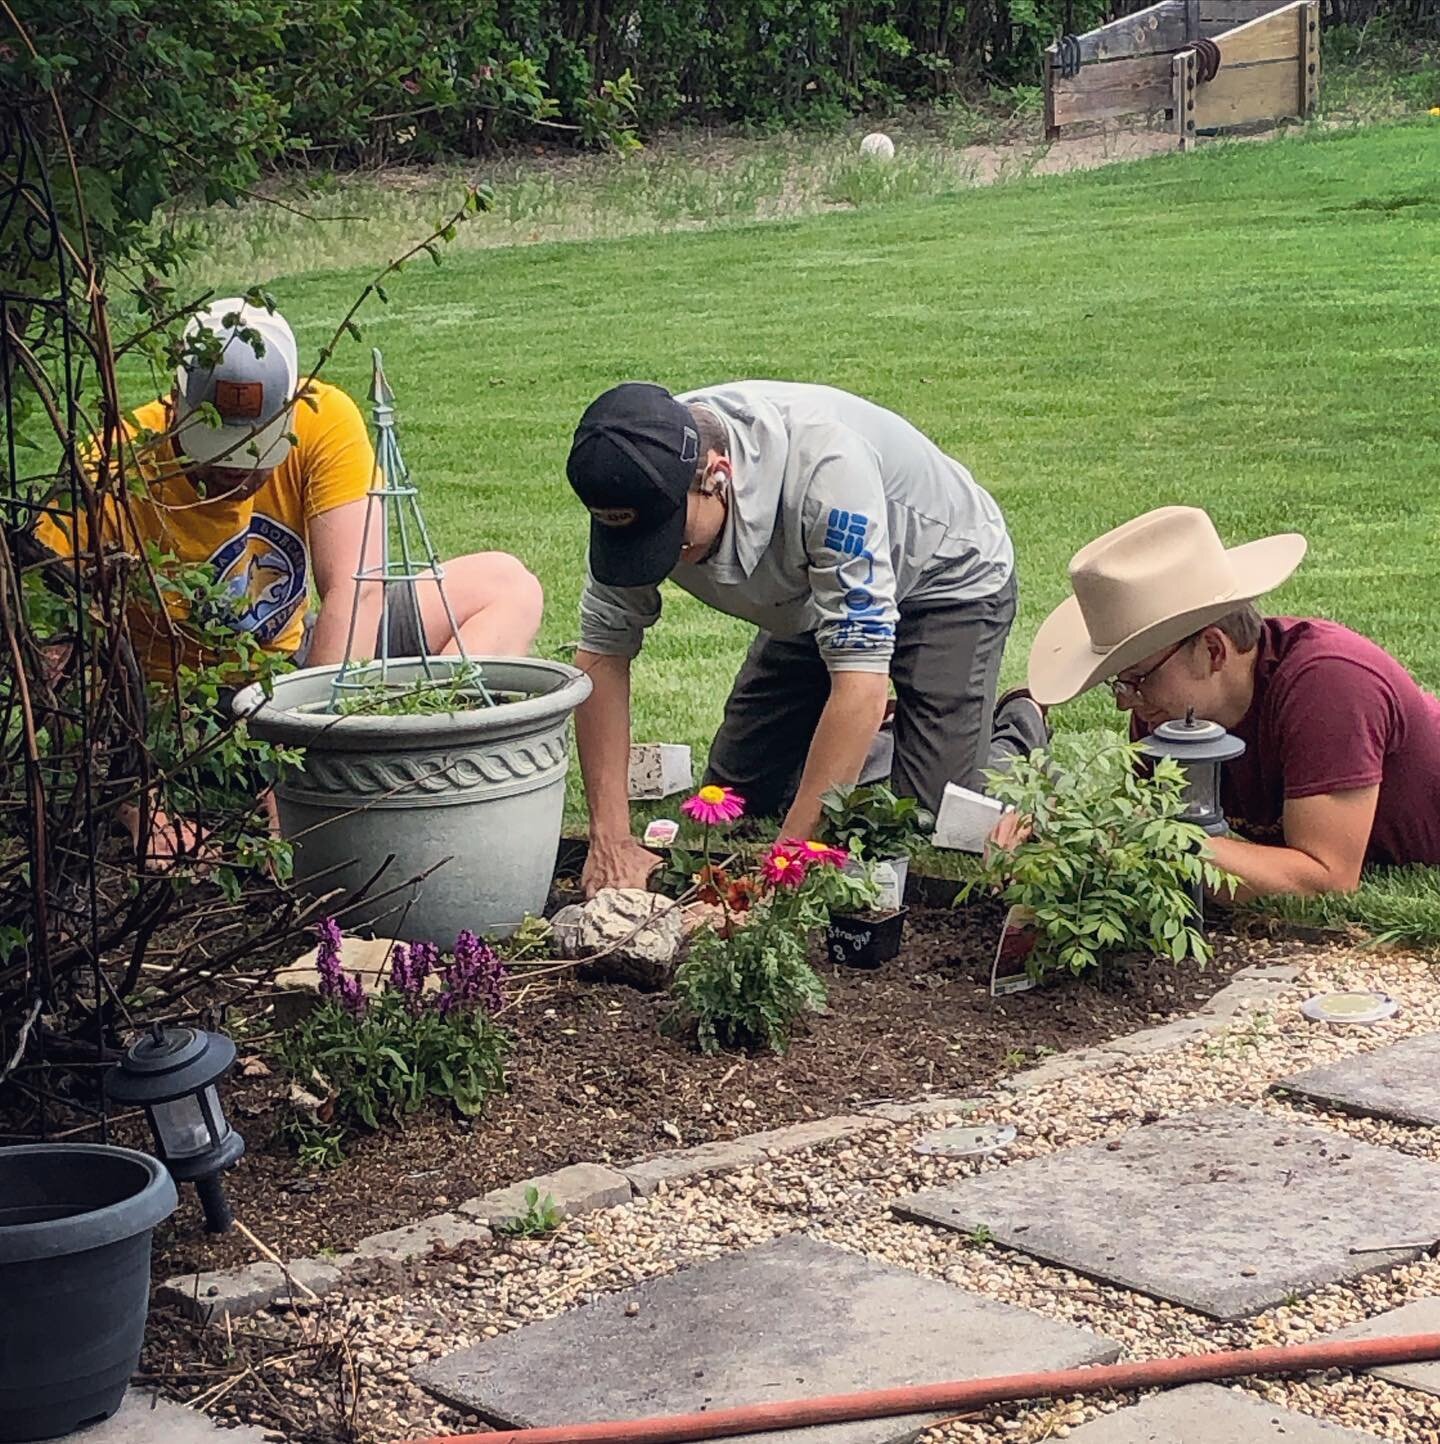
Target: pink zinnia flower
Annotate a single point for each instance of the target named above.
(784, 867)
(820, 854)
(714, 804)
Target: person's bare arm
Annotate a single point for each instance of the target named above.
(335, 554)
(602, 733)
(854, 710)
(1326, 838)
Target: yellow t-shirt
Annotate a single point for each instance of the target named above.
(259, 547)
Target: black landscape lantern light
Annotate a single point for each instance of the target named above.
(172, 1074)
(1202, 749)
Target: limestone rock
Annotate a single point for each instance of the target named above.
(629, 936)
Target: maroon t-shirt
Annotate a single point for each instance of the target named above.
(1333, 712)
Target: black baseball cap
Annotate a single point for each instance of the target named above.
(632, 462)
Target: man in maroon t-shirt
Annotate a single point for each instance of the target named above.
(1342, 759)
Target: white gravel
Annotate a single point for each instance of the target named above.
(841, 1194)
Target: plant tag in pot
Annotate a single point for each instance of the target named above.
(888, 888)
(1017, 942)
(661, 832)
(889, 883)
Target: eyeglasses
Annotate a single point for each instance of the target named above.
(1136, 685)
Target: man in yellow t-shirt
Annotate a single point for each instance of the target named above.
(271, 517)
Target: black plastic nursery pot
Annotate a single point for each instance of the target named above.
(75, 1226)
(862, 941)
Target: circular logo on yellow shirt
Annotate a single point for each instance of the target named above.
(263, 571)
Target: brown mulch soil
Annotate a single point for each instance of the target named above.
(593, 1077)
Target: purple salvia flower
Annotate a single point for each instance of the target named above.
(476, 976)
(327, 959)
(410, 967)
(400, 968)
(424, 959)
(352, 994)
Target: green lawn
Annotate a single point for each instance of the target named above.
(1250, 328)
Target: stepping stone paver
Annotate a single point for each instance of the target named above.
(1208, 1414)
(785, 1320)
(1225, 1211)
(145, 1419)
(1401, 1082)
(1420, 1317)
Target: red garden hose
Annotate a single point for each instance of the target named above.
(965, 1395)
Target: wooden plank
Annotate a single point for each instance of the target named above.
(1121, 87)
(1275, 36)
(1182, 97)
(1249, 93)
(1235, 12)
(1219, 17)
(1156, 31)
(1310, 58)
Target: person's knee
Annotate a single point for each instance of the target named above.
(522, 589)
(497, 578)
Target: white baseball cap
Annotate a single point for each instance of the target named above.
(253, 394)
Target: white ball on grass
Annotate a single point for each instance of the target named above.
(879, 145)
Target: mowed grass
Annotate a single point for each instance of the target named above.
(1250, 328)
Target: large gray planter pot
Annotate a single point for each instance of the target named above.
(484, 789)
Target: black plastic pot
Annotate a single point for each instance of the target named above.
(75, 1225)
(863, 941)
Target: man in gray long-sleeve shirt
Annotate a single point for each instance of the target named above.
(861, 551)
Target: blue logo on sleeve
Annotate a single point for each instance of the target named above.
(860, 635)
(845, 531)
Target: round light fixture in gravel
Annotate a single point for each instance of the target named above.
(1359, 1007)
(962, 1142)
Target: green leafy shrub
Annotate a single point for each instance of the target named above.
(375, 1059)
(871, 822)
(1109, 866)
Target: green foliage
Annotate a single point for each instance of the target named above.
(873, 823)
(461, 689)
(1110, 867)
(541, 1216)
(533, 940)
(387, 1061)
(749, 989)
(746, 982)
(213, 768)
(318, 1148)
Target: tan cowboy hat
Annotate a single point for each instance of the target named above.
(1144, 586)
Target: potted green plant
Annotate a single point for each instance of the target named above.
(862, 931)
(425, 783)
(879, 830)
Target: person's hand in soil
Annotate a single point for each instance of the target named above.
(622, 863)
(1008, 833)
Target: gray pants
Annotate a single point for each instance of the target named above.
(401, 620)
(945, 668)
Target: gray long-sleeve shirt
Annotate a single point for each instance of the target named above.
(840, 512)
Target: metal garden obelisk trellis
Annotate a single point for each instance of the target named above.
(407, 557)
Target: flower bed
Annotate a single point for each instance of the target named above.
(593, 1076)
